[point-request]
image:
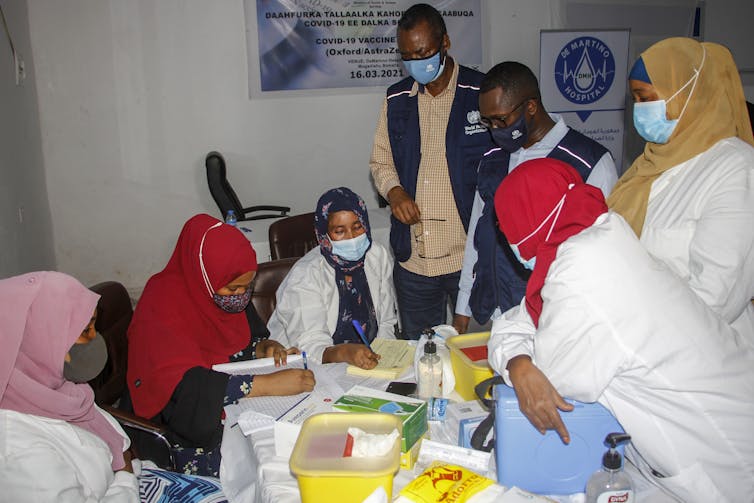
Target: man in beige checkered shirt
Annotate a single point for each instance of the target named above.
(424, 162)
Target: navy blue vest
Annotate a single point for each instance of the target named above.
(465, 142)
(499, 278)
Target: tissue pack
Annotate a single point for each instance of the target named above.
(543, 463)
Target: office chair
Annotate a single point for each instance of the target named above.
(292, 236)
(225, 197)
(114, 314)
(266, 282)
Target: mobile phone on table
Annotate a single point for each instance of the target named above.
(402, 388)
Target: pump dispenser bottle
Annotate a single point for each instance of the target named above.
(429, 371)
(611, 484)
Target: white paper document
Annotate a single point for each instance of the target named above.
(259, 366)
(274, 407)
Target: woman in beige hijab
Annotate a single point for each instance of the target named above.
(690, 195)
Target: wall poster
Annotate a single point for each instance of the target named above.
(582, 76)
(323, 44)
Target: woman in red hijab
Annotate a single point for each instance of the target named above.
(190, 317)
(603, 321)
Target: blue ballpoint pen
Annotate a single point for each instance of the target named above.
(359, 331)
(303, 355)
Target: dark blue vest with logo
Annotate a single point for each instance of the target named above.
(499, 278)
(465, 142)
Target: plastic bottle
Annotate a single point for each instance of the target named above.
(230, 218)
(611, 484)
(429, 372)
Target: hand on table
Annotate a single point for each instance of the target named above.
(268, 348)
(538, 399)
(355, 354)
(461, 323)
(403, 206)
(283, 382)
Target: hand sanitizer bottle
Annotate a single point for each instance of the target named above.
(611, 484)
(429, 372)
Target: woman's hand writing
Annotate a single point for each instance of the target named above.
(283, 382)
(355, 354)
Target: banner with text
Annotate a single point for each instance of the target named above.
(322, 44)
(582, 76)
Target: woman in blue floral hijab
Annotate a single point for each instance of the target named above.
(343, 284)
(341, 224)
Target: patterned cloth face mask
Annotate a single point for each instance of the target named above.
(228, 303)
(232, 303)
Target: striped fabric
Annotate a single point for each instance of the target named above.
(169, 487)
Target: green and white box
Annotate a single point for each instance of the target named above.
(412, 412)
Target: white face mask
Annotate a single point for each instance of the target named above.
(351, 249)
(650, 117)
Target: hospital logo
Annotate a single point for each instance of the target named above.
(584, 70)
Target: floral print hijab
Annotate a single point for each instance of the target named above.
(350, 278)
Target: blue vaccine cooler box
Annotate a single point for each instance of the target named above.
(543, 463)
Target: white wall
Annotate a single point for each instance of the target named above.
(26, 241)
(133, 94)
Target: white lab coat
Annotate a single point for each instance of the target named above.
(50, 460)
(306, 314)
(700, 222)
(619, 328)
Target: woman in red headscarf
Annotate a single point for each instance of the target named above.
(602, 321)
(190, 317)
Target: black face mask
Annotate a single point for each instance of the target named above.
(511, 138)
(87, 360)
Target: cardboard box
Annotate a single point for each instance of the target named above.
(413, 413)
(408, 459)
(464, 417)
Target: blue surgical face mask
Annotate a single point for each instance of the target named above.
(651, 122)
(651, 119)
(529, 264)
(425, 70)
(351, 249)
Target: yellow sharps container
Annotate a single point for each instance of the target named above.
(325, 475)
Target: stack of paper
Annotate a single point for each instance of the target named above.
(396, 356)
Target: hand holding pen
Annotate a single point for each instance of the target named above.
(363, 356)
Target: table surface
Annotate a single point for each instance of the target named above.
(257, 231)
(266, 477)
(251, 472)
